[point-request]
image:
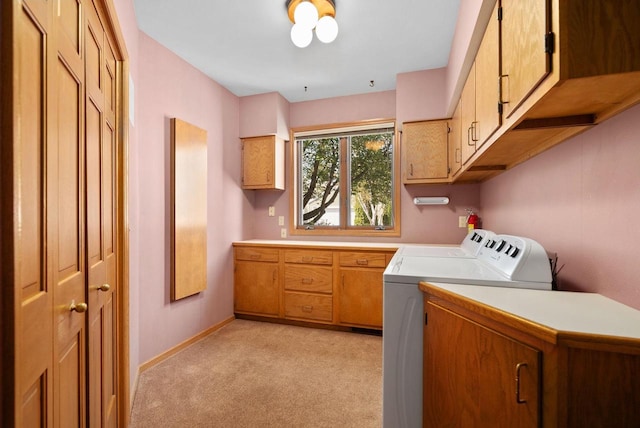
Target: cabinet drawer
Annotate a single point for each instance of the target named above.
(308, 306)
(256, 254)
(313, 257)
(318, 279)
(378, 260)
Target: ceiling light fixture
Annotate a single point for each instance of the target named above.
(308, 15)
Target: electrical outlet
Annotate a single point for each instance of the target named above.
(272, 211)
(283, 233)
(462, 221)
(281, 220)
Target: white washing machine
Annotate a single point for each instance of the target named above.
(501, 260)
(469, 248)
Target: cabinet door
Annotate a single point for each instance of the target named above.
(256, 288)
(468, 115)
(524, 60)
(476, 377)
(424, 148)
(455, 142)
(487, 74)
(263, 163)
(361, 297)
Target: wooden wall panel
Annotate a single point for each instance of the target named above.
(189, 209)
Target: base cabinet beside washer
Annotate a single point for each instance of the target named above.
(475, 376)
(487, 367)
(321, 284)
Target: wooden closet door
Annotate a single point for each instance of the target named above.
(101, 240)
(66, 216)
(33, 301)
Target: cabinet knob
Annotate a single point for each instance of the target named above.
(78, 307)
(104, 287)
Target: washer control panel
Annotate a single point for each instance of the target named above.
(520, 259)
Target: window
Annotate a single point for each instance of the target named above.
(345, 181)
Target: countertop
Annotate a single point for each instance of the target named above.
(390, 246)
(563, 311)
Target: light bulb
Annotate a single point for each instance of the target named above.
(301, 36)
(327, 29)
(306, 15)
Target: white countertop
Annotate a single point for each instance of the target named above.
(564, 311)
(334, 244)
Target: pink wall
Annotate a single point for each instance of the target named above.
(173, 88)
(579, 199)
(264, 114)
(377, 105)
(421, 95)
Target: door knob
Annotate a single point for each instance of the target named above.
(104, 287)
(78, 307)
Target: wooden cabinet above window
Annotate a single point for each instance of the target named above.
(424, 150)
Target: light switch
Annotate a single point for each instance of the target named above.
(272, 211)
(281, 220)
(283, 233)
(462, 221)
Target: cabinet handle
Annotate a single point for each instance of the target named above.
(307, 308)
(362, 262)
(411, 169)
(500, 88)
(307, 259)
(275, 275)
(518, 367)
(474, 136)
(469, 139)
(307, 280)
(458, 156)
(255, 256)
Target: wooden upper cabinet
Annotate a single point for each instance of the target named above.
(263, 163)
(424, 152)
(468, 116)
(455, 142)
(558, 75)
(487, 65)
(525, 59)
(479, 110)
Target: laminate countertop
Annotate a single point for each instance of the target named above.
(566, 312)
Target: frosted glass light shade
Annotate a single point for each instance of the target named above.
(306, 15)
(327, 29)
(301, 36)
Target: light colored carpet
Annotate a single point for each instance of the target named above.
(254, 374)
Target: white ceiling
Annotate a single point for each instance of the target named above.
(244, 45)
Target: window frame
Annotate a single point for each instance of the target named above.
(344, 230)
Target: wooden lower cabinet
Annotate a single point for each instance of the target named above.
(256, 285)
(484, 367)
(329, 286)
(474, 376)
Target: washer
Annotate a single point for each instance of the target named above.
(501, 260)
(469, 248)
